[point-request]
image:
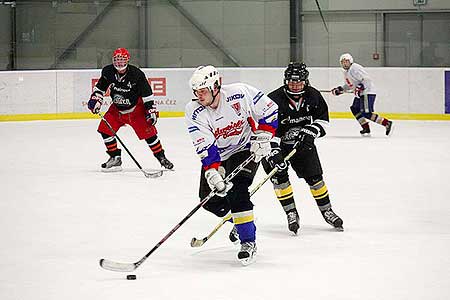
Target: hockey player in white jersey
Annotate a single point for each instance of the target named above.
(227, 123)
(357, 80)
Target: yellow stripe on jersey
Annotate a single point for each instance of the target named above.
(243, 217)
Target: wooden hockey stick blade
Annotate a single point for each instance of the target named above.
(117, 266)
(198, 243)
(154, 174)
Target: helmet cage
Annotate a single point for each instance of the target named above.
(295, 72)
(120, 59)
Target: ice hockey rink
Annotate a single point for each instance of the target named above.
(60, 215)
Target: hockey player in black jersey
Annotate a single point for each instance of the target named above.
(302, 117)
(131, 104)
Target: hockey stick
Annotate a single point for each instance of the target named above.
(199, 242)
(129, 267)
(154, 174)
(329, 91)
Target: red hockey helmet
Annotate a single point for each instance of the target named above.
(120, 59)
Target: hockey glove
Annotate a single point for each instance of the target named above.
(337, 91)
(95, 103)
(276, 159)
(216, 183)
(306, 138)
(151, 113)
(359, 90)
(260, 144)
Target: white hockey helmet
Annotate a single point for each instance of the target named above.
(347, 56)
(205, 77)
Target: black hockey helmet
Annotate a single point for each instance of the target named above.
(295, 71)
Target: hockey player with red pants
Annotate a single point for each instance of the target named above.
(131, 104)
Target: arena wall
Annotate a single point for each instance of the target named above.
(403, 93)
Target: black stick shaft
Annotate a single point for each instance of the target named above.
(197, 207)
(120, 141)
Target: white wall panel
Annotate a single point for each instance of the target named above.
(400, 90)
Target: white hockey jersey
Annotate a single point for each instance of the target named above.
(355, 75)
(219, 133)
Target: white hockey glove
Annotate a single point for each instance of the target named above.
(260, 144)
(216, 183)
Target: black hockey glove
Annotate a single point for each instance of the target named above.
(306, 138)
(337, 91)
(151, 113)
(276, 159)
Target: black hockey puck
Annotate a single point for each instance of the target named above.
(131, 277)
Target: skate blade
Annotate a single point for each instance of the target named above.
(112, 169)
(340, 229)
(366, 135)
(247, 261)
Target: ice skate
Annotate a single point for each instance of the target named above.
(293, 221)
(114, 164)
(389, 128)
(333, 219)
(165, 163)
(365, 132)
(234, 235)
(247, 254)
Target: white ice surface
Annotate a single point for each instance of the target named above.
(60, 215)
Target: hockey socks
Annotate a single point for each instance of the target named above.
(110, 143)
(285, 195)
(154, 144)
(319, 191)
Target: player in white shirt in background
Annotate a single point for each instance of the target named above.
(357, 80)
(227, 123)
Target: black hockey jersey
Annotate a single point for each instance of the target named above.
(125, 89)
(311, 109)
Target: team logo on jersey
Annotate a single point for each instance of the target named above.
(235, 128)
(237, 108)
(235, 97)
(119, 89)
(120, 100)
(288, 120)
